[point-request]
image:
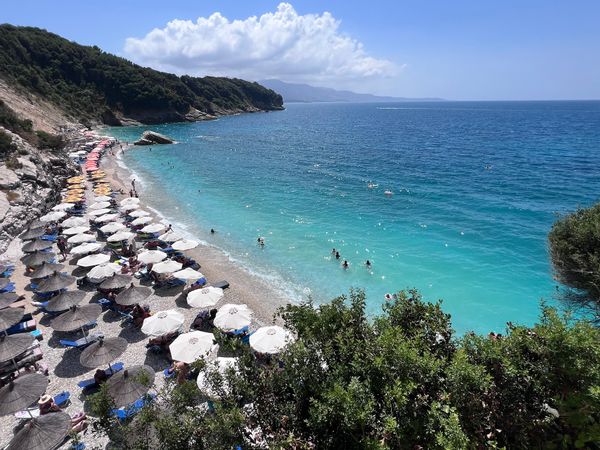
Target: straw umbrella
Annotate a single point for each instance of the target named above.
(205, 297)
(112, 227)
(37, 245)
(13, 345)
(133, 295)
(184, 244)
(189, 347)
(76, 317)
(42, 433)
(46, 269)
(21, 392)
(56, 282)
(76, 230)
(127, 386)
(9, 317)
(73, 222)
(103, 352)
(7, 299)
(64, 301)
(93, 260)
(151, 256)
(233, 317)
(168, 266)
(163, 322)
(117, 281)
(35, 259)
(33, 234)
(270, 339)
(80, 238)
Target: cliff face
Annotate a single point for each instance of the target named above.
(30, 183)
(91, 86)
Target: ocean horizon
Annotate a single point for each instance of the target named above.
(475, 189)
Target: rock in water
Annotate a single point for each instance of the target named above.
(151, 138)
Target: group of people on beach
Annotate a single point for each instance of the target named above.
(345, 263)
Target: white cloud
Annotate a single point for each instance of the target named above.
(280, 44)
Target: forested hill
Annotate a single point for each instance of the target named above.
(91, 85)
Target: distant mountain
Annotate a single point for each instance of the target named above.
(308, 94)
(91, 85)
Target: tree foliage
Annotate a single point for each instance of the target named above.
(88, 83)
(400, 380)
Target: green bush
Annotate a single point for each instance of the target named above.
(49, 141)
(6, 145)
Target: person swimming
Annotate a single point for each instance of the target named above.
(261, 241)
(368, 264)
(345, 264)
(337, 255)
(212, 231)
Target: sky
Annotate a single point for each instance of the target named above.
(453, 49)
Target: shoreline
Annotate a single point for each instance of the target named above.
(245, 287)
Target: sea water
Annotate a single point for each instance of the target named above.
(476, 187)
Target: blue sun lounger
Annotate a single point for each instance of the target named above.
(10, 287)
(90, 383)
(131, 410)
(83, 342)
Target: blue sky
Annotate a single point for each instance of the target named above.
(455, 49)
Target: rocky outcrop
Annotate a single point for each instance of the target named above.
(30, 184)
(152, 138)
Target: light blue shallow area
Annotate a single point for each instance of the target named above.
(476, 187)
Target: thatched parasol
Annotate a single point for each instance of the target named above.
(21, 392)
(127, 386)
(133, 295)
(64, 301)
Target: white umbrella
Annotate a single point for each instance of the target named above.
(153, 228)
(189, 347)
(163, 322)
(74, 222)
(99, 212)
(142, 221)
(129, 200)
(188, 274)
(170, 236)
(76, 230)
(223, 365)
(63, 207)
(205, 297)
(79, 238)
(139, 213)
(129, 207)
(270, 339)
(100, 205)
(102, 198)
(233, 317)
(106, 218)
(168, 266)
(103, 271)
(93, 260)
(53, 216)
(184, 244)
(82, 249)
(151, 256)
(121, 236)
(112, 227)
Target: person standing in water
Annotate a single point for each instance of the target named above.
(345, 264)
(368, 264)
(337, 255)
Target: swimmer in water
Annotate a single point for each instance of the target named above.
(345, 264)
(337, 255)
(212, 231)
(368, 264)
(261, 241)
(333, 252)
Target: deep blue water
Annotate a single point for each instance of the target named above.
(476, 187)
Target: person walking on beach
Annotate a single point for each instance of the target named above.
(62, 247)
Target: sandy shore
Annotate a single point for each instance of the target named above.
(65, 370)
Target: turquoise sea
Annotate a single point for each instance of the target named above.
(476, 187)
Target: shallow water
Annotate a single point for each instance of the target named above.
(476, 187)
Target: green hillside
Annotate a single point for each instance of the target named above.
(90, 84)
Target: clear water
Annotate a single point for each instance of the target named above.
(476, 187)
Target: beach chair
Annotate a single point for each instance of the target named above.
(90, 384)
(83, 342)
(168, 374)
(30, 356)
(10, 287)
(129, 411)
(8, 272)
(61, 401)
(22, 327)
(221, 284)
(49, 237)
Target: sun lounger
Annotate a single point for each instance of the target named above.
(22, 327)
(221, 284)
(61, 401)
(8, 272)
(83, 342)
(90, 384)
(49, 237)
(26, 358)
(10, 287)
(131, 410)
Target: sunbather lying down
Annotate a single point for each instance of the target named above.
(46, 405)
(162, 343)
